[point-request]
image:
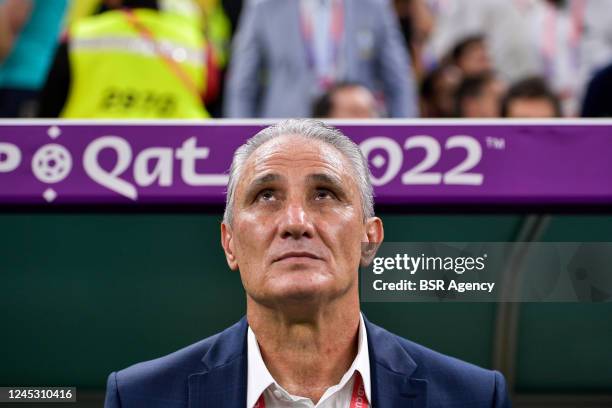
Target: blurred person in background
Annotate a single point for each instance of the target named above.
(471, 56)
(597, 37)
(416, 23)
(556, 28)
(132, 60)
(215, 22)
(285, 54)
(437, 92)
(79, 9)
(573, 39)
(598, 100)
(479, 96)
(13, 16)
(29, 31)
(347, 100)
(505, 30)
(218, 32)
(531, 98)
(216, 27)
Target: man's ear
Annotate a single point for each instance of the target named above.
(227, 242)
(373, 237)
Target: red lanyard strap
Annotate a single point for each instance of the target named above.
(175, 67)
(358, 396)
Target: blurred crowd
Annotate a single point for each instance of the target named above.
(145, 59)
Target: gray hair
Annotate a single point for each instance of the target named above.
(310, 129)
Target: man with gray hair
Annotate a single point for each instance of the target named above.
(299, 209)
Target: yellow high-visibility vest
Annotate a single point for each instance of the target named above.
(118, 71)
(218, 28)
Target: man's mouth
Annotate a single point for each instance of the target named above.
(296, 254)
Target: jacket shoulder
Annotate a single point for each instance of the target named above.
(452, 380)
(176, 365)
(164, 381)
(430, 360)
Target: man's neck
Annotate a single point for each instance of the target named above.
(306, 356)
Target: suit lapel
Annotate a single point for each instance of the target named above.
(223, 382)
(391, 371)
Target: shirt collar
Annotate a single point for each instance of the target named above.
(259, 378)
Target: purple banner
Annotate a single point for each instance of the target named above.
(94, 163)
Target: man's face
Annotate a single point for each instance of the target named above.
(531, 108)
(488, 103)
(353, 102)
(445, 87)
(491, 99)
(298, 224)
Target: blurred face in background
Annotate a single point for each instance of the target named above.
(474, 59)
(298, 225)
(416, 23)
(488, 103)
(353, 102)
(531, 108)
(445, 86)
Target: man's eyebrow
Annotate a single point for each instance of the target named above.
(266, 178)
(327, 179)
(261, 181)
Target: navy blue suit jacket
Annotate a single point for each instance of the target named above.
(213, 373)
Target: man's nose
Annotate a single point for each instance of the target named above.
(295, 222)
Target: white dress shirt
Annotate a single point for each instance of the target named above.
(259, 379)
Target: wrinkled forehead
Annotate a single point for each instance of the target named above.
(295, 152)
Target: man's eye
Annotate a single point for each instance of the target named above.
(323, 194)
(265, 195)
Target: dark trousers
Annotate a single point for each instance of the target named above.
(18, 103)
